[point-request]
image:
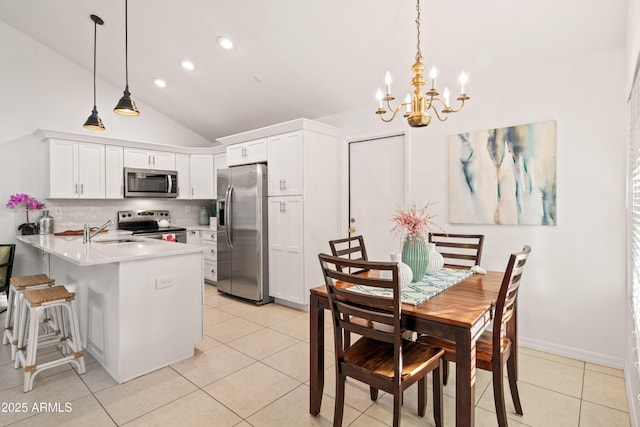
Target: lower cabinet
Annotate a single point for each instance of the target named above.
(208, 240)
(286, 266)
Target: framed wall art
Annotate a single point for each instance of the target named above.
(504, 175)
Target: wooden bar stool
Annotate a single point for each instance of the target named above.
(16, 288)
(34, 303)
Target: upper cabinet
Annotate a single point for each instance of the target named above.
(147, 159)
(113, 169)
(285, 164)
(184, 183)
(76, 170)
(247, 152)
(219, 162)
(201, 171)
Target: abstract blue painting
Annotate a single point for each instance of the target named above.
(504, 175)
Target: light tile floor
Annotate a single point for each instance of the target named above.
(252, 370)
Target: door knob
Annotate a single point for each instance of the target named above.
(351, 230)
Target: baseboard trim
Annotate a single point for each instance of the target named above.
(575, 353)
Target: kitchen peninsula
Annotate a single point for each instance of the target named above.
(140, 300)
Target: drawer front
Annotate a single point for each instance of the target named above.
(211, 252)
(210, 271)
(208, 237)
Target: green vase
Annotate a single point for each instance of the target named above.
(416, 255)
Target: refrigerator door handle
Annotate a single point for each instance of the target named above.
(227, 214)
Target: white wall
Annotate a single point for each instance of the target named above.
(41, 89)
(574, 294)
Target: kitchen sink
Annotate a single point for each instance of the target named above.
(115, 241)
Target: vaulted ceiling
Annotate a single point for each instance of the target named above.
(304, 58)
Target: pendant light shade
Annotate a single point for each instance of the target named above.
(94, 122)
(126, 106)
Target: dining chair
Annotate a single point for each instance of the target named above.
(7, 253)
(381, 357)
(497, 347)
(351, 247)
(458, 250)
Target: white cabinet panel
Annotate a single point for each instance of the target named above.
(201, 171)
(284, 153)
(147, 159)
(247, 152)
(183, 168)
(113, 170)
(286, 276)
(219, 162)
(63, 169)
(76, 170)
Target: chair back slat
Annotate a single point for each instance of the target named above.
(507, 298)
(7, 255)
(459, 250)
(349, 247)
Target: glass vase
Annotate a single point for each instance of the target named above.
(416, 256)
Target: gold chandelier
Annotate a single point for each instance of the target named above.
(416, 108)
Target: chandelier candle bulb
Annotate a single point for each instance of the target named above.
(464, 79)
(407, 100)
(387, 82)
(433, 74)
(379, 97)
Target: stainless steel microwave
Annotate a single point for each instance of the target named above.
(150, 183)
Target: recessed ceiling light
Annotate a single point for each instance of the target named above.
(187, 65)
(225, 42)
(159, 82)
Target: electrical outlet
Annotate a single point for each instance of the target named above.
(188, 208)
(164, 283)
(57, 211)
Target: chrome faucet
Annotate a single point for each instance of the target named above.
(86, 232)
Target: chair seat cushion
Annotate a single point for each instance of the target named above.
(377, 356)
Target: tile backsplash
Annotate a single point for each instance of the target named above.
(73, 214)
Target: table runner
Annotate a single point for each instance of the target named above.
(418, 292)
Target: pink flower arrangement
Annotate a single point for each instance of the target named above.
(413, 222)
(31, 203)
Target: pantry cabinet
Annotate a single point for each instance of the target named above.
(147, 159)
(76, 170)
(286, 271)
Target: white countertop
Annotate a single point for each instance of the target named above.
(71, 248)
(200, 228)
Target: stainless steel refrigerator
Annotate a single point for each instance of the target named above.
(243, 265)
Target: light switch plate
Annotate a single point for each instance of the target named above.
(163, 283)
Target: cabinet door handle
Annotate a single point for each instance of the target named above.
(284, 184)
(149, 162)
(192, 191)
(213, 251)
(75, 189)
(81, 188)
(284, 207)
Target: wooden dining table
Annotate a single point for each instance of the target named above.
(460, 314)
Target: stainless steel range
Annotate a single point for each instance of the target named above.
(146, 223)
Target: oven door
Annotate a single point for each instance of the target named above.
(150, 183)
(179, 236)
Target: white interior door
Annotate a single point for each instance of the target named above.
(376, 189)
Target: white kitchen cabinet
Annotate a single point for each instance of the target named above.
(285, 160)
(254, 151)
(201, 176)
(148, 159)
(76, 170)
(193, 237)
(183, 169)
(208, 239)
(113, 169)
(219, 162)
(286, 266)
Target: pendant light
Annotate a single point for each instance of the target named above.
(94, 122)
(126, 106)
